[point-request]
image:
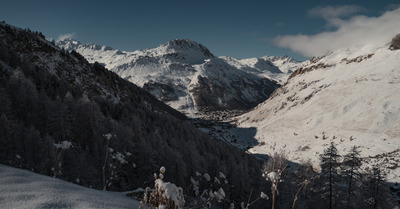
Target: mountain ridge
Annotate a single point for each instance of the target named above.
(347, 97)
(170, 72)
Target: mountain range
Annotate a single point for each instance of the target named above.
(188, 77)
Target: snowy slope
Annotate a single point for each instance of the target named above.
(277, 68)
(22, 189)
(350, 97)
(284, 63)
(173, 70)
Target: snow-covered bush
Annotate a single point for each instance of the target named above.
(108, 137)
(61, 146)
(113, 164)
(273, 171)
(208, 191)
(164, 195)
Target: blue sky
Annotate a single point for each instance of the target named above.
(240, 29)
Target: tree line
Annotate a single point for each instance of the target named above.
(338, 182)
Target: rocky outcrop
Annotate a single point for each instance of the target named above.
(395, 44)
(303, 70)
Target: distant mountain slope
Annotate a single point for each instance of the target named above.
(284, 63)
(25, 189)
(277, 68)
(186, 75)
(350, 97)
(64, 117)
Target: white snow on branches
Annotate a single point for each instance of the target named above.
(63, 145)
(264, 196)
(207, 177)
(171, 191)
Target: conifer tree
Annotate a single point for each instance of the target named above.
(376, 183)
(59, 121)
(330, 162)
(351, 174)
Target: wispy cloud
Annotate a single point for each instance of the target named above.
(347, 33)
(334, 15)
(62, 37)
(393, 6)
(329, 12)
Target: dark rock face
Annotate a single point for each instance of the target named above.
(395, 45)
(212, 95)
(163, 92)
(184, 44)
(303, 70)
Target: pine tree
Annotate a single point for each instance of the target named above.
(5, 104)
(5, 138)
(330, 162)
(59, 121)
(377, 184)
(351, 174)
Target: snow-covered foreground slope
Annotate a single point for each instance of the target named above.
(348, 97)
(187, 76)
(24, 189)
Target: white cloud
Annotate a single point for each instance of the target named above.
(348, 33)
(62, 37)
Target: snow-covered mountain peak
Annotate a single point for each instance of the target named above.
(187, 76)
(281, 59)
(186, 45)
(180, 50)
(72, 44)
(285, 63)
(69, 44)
(255, 65)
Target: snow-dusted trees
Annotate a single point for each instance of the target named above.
(209, 191)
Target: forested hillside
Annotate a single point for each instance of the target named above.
(64, 117)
